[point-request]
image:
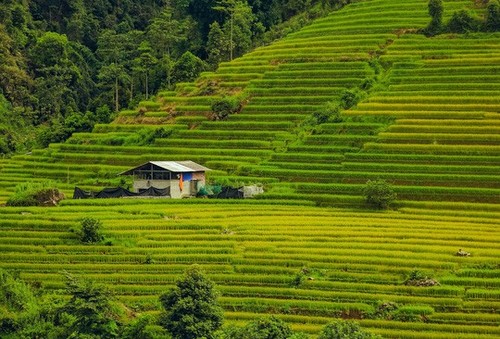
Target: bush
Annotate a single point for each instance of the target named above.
(350, 98)
(436, 13)
(191, 308)
(330, 112)
(492, 23)
(90, 231)
(265, 328)
(379, 194)
(35, 194)
(224, 107)
(188, 68)
(419, 279)
(340, 329)
(463, 22)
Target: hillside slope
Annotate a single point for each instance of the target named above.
(428, 122)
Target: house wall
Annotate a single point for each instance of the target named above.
(144, 184)
(199, 176)
(175, 191)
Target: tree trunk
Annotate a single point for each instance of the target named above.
(117, 107)
(231, 43)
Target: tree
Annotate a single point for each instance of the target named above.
(463, 22)
(243, 28)
(436, 12)
(340, 329)
(117, 52)
(165, 32)
(266, 328)
(223, 107)
(379, 194)
(238, 28)
(492, 23)
(187, 68)
(18, 305)
(90, 232)
(92, 308)
(144, 63)
(191, 308)
(217, 45)
(61, 76)
(228, 7)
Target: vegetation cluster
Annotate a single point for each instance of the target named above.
(190, 311)
(463, 21)
(69, 65)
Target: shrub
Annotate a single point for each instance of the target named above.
(90, 231)
(463, 22)
(191, 308)
(418, 278)
(222, 108)
(379, 194)
(436, 13)
(330, 112)
(35, 194)
(350, 98)
(265, 328)
(492, 23)
(188, 68)
(340, 329)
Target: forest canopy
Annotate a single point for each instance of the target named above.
(66, 65)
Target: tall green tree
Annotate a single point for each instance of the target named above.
(92, 308)
(61, 80)
(165, 32)
(435, 8)
(117, 52)
(187, 68)
(144, 63)
(191, 308)
(492, 23)
(217, 45)
(228, 7)
(238, 26)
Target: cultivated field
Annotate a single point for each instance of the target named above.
(428, 122)
(351, 262)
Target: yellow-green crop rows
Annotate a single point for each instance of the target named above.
(429, 97)
(352, 261)
(428, 124)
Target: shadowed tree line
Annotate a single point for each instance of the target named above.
(190, 311)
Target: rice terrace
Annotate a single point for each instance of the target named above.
(363, 94)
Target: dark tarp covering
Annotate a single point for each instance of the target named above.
(228, 192)
(119, 192)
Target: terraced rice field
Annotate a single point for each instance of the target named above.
(429, 124)
(352, 261)
(427, 100)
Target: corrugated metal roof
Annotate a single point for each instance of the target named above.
(172, 166)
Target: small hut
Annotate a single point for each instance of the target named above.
(182, 178)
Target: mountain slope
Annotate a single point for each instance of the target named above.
(409, 85)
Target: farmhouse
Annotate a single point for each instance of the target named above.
(182, 178)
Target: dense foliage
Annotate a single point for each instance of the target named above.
(463, 21)
(191, 308)
(379, 194)
(90, 232)
(67, 65)
(339, 329)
